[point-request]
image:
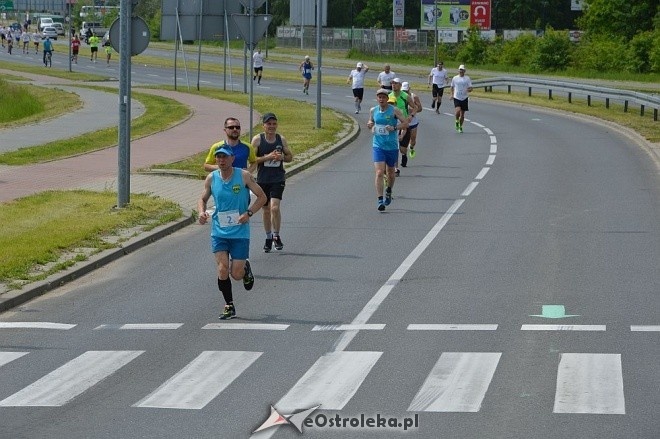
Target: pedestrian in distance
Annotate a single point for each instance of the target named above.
(36, 38)
(438, 79)
(94, 47)
(306, 68)
(48, 50)
(407, 107)
(272, 152)
(414, 122)
(108, 52)
(10, 43)
(75, 48)
(25, 39)
(356, 79)
(385, 78)
(3, 36)
(385, 121)
(230, 227)
(258, 65)
(461, 85)
(243, 153)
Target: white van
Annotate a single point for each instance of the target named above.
(43, 22)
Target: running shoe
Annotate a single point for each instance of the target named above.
(268, 246)
(381, 205)
(460, 128)
(278, 242)
(248, 277)
(412, 153)
(404, 160)
(433, 104)
(228, 313)
(388, 197)
(397, 172)
(457, 125)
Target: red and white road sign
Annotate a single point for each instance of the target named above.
(480, 13)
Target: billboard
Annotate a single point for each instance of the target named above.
(448, 15)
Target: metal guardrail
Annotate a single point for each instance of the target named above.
(607, 94)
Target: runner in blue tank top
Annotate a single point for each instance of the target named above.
(385, 121)
(306, 68)
(230, 229)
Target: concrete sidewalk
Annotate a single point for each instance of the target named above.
(98, 170)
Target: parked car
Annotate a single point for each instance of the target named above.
(49, 31)
(43, 22)
(15, 26)
(59, 28)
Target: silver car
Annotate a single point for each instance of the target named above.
(49, 31)
(59, 28)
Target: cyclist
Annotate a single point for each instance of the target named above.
(48, 51)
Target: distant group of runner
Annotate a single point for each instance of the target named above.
(394, 120)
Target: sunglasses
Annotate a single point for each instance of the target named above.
(233, 127)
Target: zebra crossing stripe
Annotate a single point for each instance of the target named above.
(590, 383)
(8, 357)
(200, 381)
(451, 327)
(331, 381)
(35, 325)
(457, 383)
(70, 380)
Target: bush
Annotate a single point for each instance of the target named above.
(520, 51)
(553, 51)
(600, 53)
(474, 50)
(641, 47)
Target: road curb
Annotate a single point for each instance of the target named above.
(13, 298)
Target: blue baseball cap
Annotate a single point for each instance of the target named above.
(224, 150)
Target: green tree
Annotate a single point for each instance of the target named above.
(618, 18)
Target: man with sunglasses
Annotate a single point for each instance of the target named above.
(243, 153)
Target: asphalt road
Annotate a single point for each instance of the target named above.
(529, 218)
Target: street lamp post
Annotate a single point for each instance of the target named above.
(435, 35)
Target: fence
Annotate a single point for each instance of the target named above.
(375, 41)
(606, 94)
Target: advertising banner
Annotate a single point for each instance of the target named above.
(449, 14)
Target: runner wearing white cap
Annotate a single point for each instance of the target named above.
(461, 85)
(356, 77)
(306, 68)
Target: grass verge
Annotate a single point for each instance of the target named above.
(21, 104)
(50, 231)
(161, 113)
(297, 123)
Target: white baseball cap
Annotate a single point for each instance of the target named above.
(461, 67)
(405, 86)
(359, 65)
(306, 56)
(397, 80)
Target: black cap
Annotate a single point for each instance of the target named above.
(268, 116)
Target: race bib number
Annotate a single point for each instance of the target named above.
(228, 218)
(381, 130)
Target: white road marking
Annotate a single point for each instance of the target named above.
(142, 326)
(482, 173)
(451, 327)
(331, 381)
(590, 383)
(200, 381)
(254, 326)
(468, 190)
(493, 148)
(8, 357)
(368, 327)
(35, 325)
(493, 139)
(373, 304)
(70, 380)
(457, 383)
(563, 328)
(491, 159)
(645, 328)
